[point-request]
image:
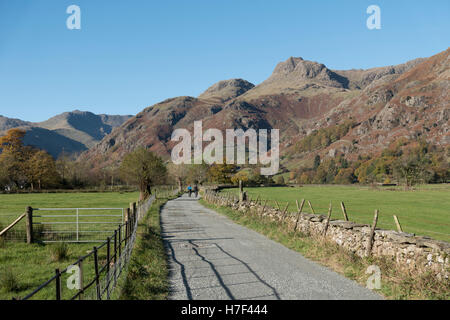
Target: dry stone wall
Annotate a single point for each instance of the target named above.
(411, 253)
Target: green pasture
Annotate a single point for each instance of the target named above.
(423, 211)
(31, 265)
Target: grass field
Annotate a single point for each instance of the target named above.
(31, 265)
(16, 203)
(424, 211)
(11, 206)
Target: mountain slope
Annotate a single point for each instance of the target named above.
(73, 132)
(301, 96)
(9, 123)
(227, 89)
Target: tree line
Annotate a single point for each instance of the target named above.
(24, 166)
(406, 162)
(27, 168)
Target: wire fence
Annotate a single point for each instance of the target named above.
(18, 233)
(95, 275)
(75, 225)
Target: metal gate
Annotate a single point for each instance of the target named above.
(75, 224)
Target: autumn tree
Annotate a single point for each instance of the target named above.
(12, 141)
(280, 180)
(24, 166)
(345, 176)
(221, 173)
(198, 173)
(145, 169)
(14, 156)
(62, 165)
(41, 170)
(240, 176)
(4, 179)
(179, 173)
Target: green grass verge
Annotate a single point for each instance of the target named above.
(32, 265)
(424, 211)
(394, 285)
(147, 277)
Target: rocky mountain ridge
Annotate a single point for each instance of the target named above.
(301, 97)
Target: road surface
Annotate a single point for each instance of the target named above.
(210, 257)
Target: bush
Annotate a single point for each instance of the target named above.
(280, 180)
(59, 251)
(8, 281)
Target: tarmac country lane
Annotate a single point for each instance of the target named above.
(212, 258)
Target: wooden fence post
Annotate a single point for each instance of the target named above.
(372, 233)
(4, 231)
(108, 259)
(299, 212)
(328, 221)
(344, 211)
(120, 242)
(97, 276)
(127, 214)
(115, 257)
(241, 191)
(58, 284)
(277, 205)
(81, 280)
(284, 214)
(397, 223)
(29, 223)
(264, 207)
(310, 205)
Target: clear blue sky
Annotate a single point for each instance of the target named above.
(132, 54)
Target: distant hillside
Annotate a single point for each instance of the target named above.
(300, 97)
(9, 123)
(73, 132)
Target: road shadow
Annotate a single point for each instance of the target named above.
(201, 266)
(183, 258)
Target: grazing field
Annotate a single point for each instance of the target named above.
(11, 206)
(16, 203)
(424, 211)
(24, 267)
